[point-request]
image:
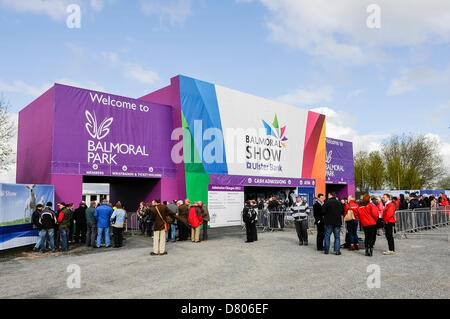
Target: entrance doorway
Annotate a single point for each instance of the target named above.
(128, 190)
(340, 190)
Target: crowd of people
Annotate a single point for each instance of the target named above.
(375, 215)
(91, 226)
(84, 225)
(160, 221)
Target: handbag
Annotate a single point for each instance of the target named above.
(349, 217)
(380, 223)
(166, 225)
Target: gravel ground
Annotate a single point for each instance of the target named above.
(226, 267)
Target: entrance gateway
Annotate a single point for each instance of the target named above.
(133, 145)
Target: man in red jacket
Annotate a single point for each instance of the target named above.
(389, 222)
(195, 219)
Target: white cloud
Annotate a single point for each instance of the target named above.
(410, 79)
(439, 116)
(35, 91)
(338, 29)
(97, 5)
(339, 126)
(24, 88)
(141, 74)
(131, 70)
(89, 85)
(55, 9)
(307, 97)
(176, 11)
(444, 149)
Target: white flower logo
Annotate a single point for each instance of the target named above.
(329, 157)
(99, 132)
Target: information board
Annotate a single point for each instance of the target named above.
(225, 205)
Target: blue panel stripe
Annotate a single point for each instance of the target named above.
(199, 102)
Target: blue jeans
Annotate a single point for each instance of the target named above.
(352, 227)
(100, 231)
(43, 234)
(64, 237)
(336, 230)
(172, 233)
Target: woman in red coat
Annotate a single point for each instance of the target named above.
(368, 215)
(443, 202)
(389, 222)
(195, 219)
(352, 226)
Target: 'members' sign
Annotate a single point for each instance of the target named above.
(107, 135)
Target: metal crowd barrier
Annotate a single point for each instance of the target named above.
(273, 220)
(419, 220)
(133, 223)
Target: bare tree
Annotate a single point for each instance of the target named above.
(7, 131)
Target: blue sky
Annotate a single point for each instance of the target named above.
(314, 54)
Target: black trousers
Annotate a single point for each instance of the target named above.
(71, 231)
(389, 227)
(56, 234)
(252, 234)
(370, 236)
(80, 233)
(205, 230)
(117, 236)
(183, 231)
(301, 226)
(320, 235)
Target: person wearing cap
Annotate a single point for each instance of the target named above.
(64, 224)
(35, 220)
(300, 213)
(103, 215)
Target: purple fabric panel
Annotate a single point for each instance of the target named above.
(34, 145)
(169, 189)
(339, 162)
(102, 134)
(170, 95)
(68, 188)
(154, 192)
(343, 192)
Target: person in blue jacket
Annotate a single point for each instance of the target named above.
(103, 215)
